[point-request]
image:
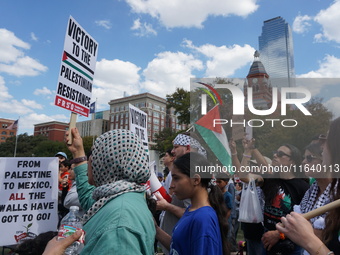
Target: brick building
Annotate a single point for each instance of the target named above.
(54, 130)
(117, 117)
(4, 131)
(158, 116)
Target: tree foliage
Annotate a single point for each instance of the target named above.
(163, 140)
(50, 148)
(37, 146)
(31, 146)
(180, 101)
(269, 138)
(88, 142)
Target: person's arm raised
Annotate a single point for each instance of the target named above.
(235, 161)
(75, 146)
(257, 155)
(248, 146)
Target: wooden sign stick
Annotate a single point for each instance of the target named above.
(321, 210)
(73, 120)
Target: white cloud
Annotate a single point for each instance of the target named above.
(333, 105)
(12, 57)
(223, 61)
(168, 71)
(328, 68)
(34, 37)
(325, 76)
(104, 23)
(43, 91)
(4, 95)
(144, 29)
(319, 38)
(318, 87)
(301, 24)
(136, 24)
(328, 19)
(191, 13)
(28, 121)
(8, 104)
(31, 104)
(25, 66)
(9, 51)
(112, 78)
(14, 106)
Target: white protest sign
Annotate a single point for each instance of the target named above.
(138, 122)
(29, 198)
(77, 68)
(249, 132)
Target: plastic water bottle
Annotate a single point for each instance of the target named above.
(68, 225)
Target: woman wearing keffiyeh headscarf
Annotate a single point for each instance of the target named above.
(117, 220)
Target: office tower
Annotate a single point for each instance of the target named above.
(277, 52)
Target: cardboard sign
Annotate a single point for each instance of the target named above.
(77, 68)
(29, 198)
(138, 122)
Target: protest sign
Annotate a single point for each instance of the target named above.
(29, 198)
(138, 121)
(77, 68)
(249, 132)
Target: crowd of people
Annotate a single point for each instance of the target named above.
(121, 217)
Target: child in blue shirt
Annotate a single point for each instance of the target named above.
(203, 228)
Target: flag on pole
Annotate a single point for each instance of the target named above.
(14, 125)
(93, 107)
(214, 136)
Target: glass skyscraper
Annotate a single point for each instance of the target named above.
(277, 52)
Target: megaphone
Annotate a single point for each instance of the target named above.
(155, 185)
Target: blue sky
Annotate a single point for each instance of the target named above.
(154, 46)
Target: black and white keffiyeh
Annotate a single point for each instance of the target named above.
(311, 201)
(119, 165)
(185, 140)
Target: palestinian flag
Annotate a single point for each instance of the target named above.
(215, 137)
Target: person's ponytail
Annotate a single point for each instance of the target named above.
(216, 201)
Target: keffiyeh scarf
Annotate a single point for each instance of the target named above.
(185, 140)
(311, 201)
(119, 165)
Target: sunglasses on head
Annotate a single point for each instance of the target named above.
(310, 158)
(280, 154)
